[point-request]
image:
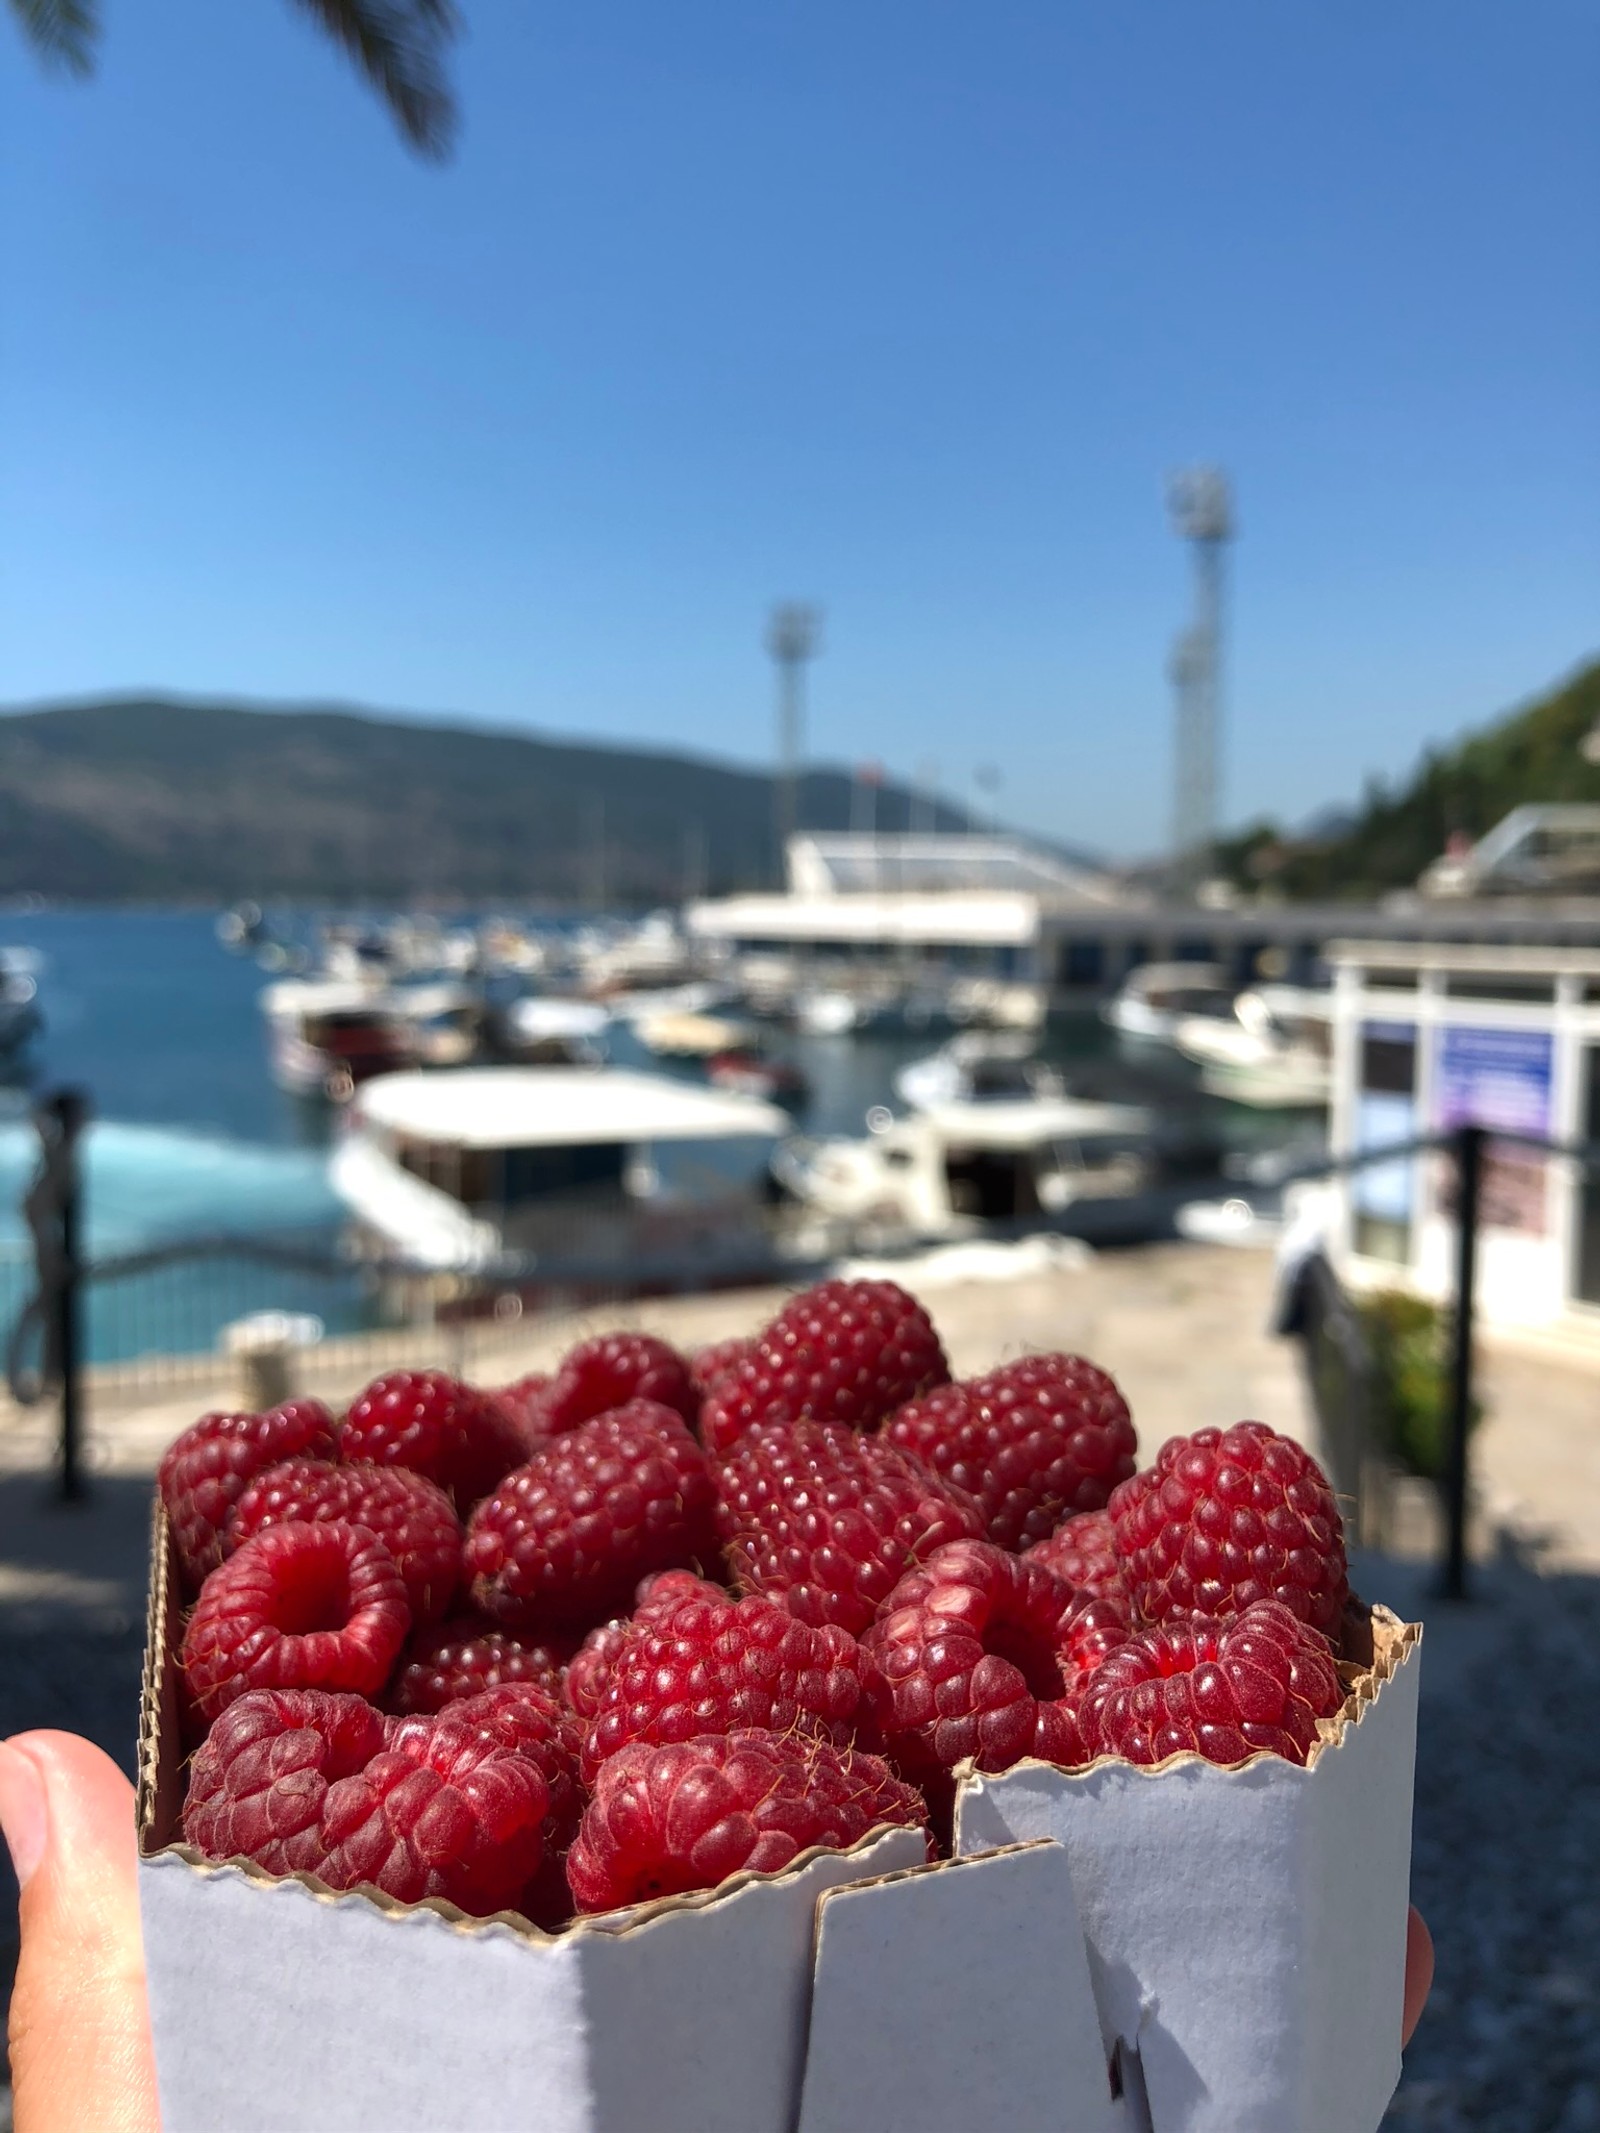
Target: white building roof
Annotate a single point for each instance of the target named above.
(848, 863)
(975, 916)
(528, 1107)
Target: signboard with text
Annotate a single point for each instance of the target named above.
(1498, 1078)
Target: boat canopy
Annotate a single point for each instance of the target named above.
(528, 1107)
(1030, 1121)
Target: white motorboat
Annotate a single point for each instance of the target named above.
(560, 1165)
(953, 1166)
(977, 1068)
(328, 1035)
(1274, 1051)
(1156, 997)
(541, 1031)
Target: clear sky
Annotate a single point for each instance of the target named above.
(904, 306)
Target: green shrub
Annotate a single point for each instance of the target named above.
(1410, 1342)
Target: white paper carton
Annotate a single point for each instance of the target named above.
(1229, 1941)
(1246, 1926)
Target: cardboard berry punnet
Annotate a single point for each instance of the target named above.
(1112, 1950)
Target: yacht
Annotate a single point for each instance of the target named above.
(954, 1165)
(1156, 997)
(1275, 1050)
(629, 1175)
(328, 1035)
(977, 1068)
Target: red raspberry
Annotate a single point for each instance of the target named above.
(299, 1607)
(846, 1351)
(665, 1819)
(1222, 1689)
(609, 1371)
(829, 1519)
(1228, 1517)
(709, 1366)
(524, 1718)
(523, 1406)
(415, 1520)
(1031, 1441)
(566, 1538)
(436, 1426)
(205, 1471)
(982, 1656)
(705, 1666)
(468, 1654)
(592, 1663)
(321, 1784)
(1083, 1554)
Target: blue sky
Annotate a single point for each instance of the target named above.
(902, 305)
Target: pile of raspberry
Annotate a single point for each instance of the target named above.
(620, 1631)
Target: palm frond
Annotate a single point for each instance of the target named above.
(63, 32)
(399, 45)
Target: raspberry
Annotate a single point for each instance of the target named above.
(436, 1426)
(1228, 1517)
(522, 1404)
(845, 1351)
(468, 1654)
(321, 1784)
(1222, 1689)
(609, 1371)
(299, 1607)
(1082, 1552)
(709, 1366)
(205, 1471)
(829, 1520)
(983, 1656)
(566, 1538)
(705, 1666)
(592, 1663)
(1032, 1441)
(525, 1718)
(415, 1520)
(665, 1819)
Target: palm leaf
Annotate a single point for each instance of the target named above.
(399, 45)
(62, 32)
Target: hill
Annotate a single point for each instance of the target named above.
(1532, 754)
(151, 798)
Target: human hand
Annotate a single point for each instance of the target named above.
(1419, 1974)
(80, 2026)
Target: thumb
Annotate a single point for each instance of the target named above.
(80, 2029)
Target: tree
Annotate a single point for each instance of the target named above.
(399, 45)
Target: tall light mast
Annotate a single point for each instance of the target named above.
(794, 635)
(1201, 510)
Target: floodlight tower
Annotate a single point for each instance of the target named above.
(794, 634)
(1201, 510)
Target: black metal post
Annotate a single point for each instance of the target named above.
(1469, 1178)
(63, 1117)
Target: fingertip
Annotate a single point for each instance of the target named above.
(1419, 1973)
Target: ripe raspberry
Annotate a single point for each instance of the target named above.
(705, 1666)
(436, 1426)
(709, 1366)
(665, 1819)
(983, 1656)
(1082, 1553)
(590, 1670)
(524, 1718)
(845, 1351)
(308, 1606)
(1222, 1689)
(566, 1538)
(609, 1371)
(522, 1404)
(321, 1784)
(205, 1471)
(1228, 1517)
(415, 1520)
(468, 1654)
(1032, 1441)
(828, 1519)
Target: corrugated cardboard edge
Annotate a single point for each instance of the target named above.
(160, 1800)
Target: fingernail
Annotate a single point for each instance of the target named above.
(23, 1815)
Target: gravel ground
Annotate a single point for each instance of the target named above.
(1506, 1864)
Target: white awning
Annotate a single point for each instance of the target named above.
(531, 1107)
